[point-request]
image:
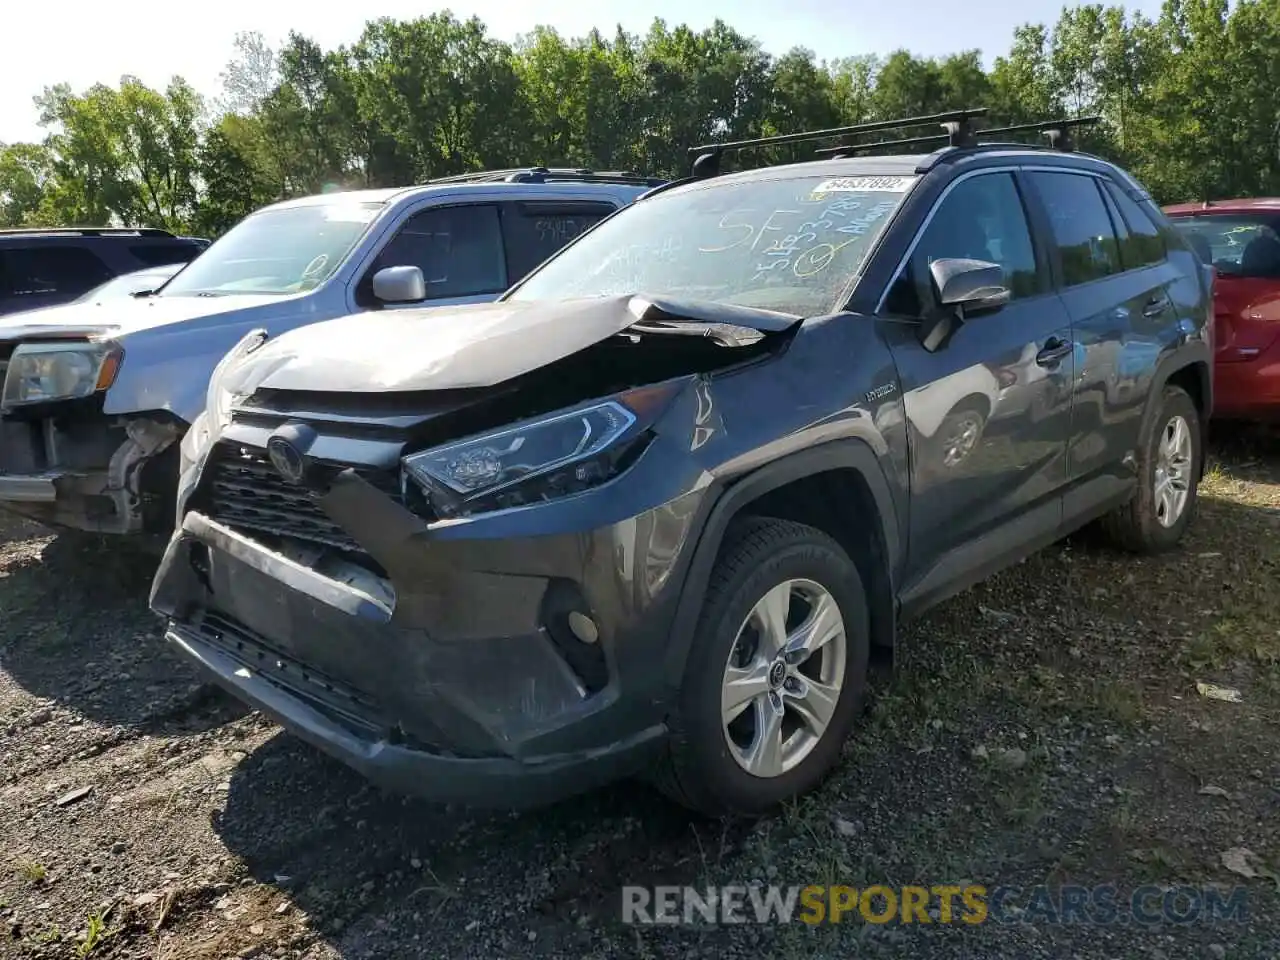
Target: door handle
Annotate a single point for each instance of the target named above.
(1055, 349)
(1155, 306)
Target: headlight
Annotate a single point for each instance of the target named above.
(40, 372)
(539, 460)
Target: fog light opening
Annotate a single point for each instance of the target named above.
(575, 633)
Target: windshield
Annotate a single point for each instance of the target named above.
(279, 251)
(1238, 245)
(789, 244)
(130, 283)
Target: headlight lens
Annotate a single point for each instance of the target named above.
(40, 372)
(538, 460)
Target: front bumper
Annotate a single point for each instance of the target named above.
(36, 488)
(450, 678)
(84, 473)
(476, 781)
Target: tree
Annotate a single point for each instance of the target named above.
(250, 76)
(24, 171)
(1187, 102)
(124, 155)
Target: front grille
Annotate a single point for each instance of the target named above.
(359, 711)
(242, 490)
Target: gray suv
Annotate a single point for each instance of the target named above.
(97, 395)
(648, 513)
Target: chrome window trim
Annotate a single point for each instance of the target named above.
(924, 225)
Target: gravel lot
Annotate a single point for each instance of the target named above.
(1043, 727)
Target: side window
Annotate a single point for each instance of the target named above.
(535, 229)
(45, 270)
(1123, 242)
(981, 219)
(163, 254)
(1144, 245)
(1081, 226)
(458, 249)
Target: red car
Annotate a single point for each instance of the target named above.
(1241, 239)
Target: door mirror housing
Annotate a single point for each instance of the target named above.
(399, 285)
(969, 283)
(962, 287)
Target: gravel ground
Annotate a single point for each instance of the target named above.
(1044, 727)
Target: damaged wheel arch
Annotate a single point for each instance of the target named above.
(879, 561)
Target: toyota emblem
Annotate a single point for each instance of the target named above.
(287, 450)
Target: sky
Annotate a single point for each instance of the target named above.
(155, 39)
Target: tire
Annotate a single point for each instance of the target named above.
(701, 769)
(1140, 526)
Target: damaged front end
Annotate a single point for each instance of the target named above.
(63, 460)
(455, 588)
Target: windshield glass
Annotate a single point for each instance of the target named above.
(789, 244)
(1238, 244)
(130, 283)
(278, 251)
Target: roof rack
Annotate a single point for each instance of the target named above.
(552, 175)
(1057, 133)
(706, 161)
(958, 136)
(86, 232)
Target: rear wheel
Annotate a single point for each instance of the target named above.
(776, 675)
(1168, 479)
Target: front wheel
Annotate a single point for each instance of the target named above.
(776, 675)
(1168, 479)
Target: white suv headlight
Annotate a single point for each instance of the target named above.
(41, 372)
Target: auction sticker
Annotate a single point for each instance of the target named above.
(866, 185)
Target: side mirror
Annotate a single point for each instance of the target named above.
(963, 286)
(399, 285)
(969, 283)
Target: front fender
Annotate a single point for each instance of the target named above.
(718, 511)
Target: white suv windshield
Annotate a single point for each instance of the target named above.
(783, 244)
(280, 251)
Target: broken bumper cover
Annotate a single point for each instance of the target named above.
(79, 500)
(456, 690)
(476, 781)
(86, 476)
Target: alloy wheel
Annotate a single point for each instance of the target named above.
(783, 679)
(1173, 471)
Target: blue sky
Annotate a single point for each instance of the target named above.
(85, 41)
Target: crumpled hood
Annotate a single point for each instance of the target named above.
(119, 318)
(449, 348)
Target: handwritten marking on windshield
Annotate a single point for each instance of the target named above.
(803, 255)
(751, 232)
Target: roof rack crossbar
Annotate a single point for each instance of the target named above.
(707, 156)
(850, 149)
(951, 116)
(1057, 131)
